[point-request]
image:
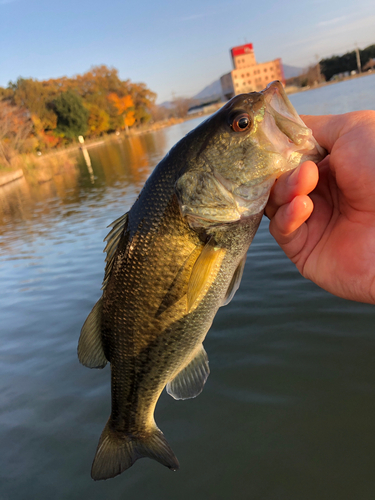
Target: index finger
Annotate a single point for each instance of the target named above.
(327, 129)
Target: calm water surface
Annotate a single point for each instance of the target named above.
(288, 412)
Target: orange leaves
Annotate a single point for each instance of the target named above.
(121, 103)
(129, 119)
(124, 106)
(112, 103)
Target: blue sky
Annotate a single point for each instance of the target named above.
(172, 46)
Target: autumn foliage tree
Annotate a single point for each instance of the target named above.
(15, 127)
(107, 103)
(124, 107)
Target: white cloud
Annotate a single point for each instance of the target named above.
(330, 39)
(332, 21)
(191, 18)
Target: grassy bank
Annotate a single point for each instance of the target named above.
(37, 169)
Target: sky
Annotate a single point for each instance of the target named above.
(176, 48)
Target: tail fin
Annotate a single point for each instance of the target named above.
(117, 452)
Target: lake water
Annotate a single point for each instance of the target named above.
(288, 412)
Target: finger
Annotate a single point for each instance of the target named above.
(300, 181)
(288, 220)
(327, 129)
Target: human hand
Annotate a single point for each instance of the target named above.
(330, 235)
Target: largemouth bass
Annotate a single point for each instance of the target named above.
(176, 257)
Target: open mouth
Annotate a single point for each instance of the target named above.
(297, 137)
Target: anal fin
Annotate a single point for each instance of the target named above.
(90, 348)
(190, 381)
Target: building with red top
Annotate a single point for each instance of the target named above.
(248, 75)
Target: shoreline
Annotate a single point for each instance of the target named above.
(297, 90)
(22, 162)
(10, 175)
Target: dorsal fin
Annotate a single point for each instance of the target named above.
(112, 239)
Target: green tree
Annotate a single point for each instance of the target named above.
(347, 62)
(33, 96)
(71, 114)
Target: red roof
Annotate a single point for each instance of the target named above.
(242, 49)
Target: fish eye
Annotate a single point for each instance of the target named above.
(241, 123)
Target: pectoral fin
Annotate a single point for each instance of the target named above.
(179, 285)
(190, 381)
(235, 282)
(204, 273)
(90, 348)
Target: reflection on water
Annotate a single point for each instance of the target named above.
(287, 412)
(87, 159)
(125, 162)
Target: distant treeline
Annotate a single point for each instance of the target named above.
(38, 115)
(348, 62)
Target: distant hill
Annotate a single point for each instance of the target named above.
(166, 104)
(212, 90)
(291, 71)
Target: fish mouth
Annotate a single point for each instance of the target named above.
(285, 129)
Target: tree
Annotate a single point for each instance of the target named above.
(33, 96)
(97, 101)
(15, 126)
(71, 114)
(144, 100)
(98, 120)
(124, 107)
(345, 63)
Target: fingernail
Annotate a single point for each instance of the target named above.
(293, 177)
